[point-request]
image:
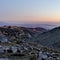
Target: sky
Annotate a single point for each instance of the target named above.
(30, 11)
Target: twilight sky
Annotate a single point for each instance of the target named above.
(30, 11)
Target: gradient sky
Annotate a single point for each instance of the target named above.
(27, 11)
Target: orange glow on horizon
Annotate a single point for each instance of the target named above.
(32, 19)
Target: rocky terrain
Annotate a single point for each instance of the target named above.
(32, 42)
(13, 37)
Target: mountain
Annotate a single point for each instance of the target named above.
(2, 23)
(14, 33)
(6, 23)
(36, 31)
(30, 25)
(50, 39)
(46, 26)
(19, 40)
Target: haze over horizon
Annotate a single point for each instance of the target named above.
(30, 11)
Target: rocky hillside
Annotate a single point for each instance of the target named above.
(50, 38)
(13, 42)
(14, 33)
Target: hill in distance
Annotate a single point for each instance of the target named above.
(50, 39)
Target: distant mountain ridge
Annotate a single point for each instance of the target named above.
(43, 25)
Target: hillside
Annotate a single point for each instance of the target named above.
(50, 38)
(36, 31)
(14, 33)
(18, 41)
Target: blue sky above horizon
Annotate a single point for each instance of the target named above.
(30, 11)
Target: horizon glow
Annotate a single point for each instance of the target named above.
(29, 11)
